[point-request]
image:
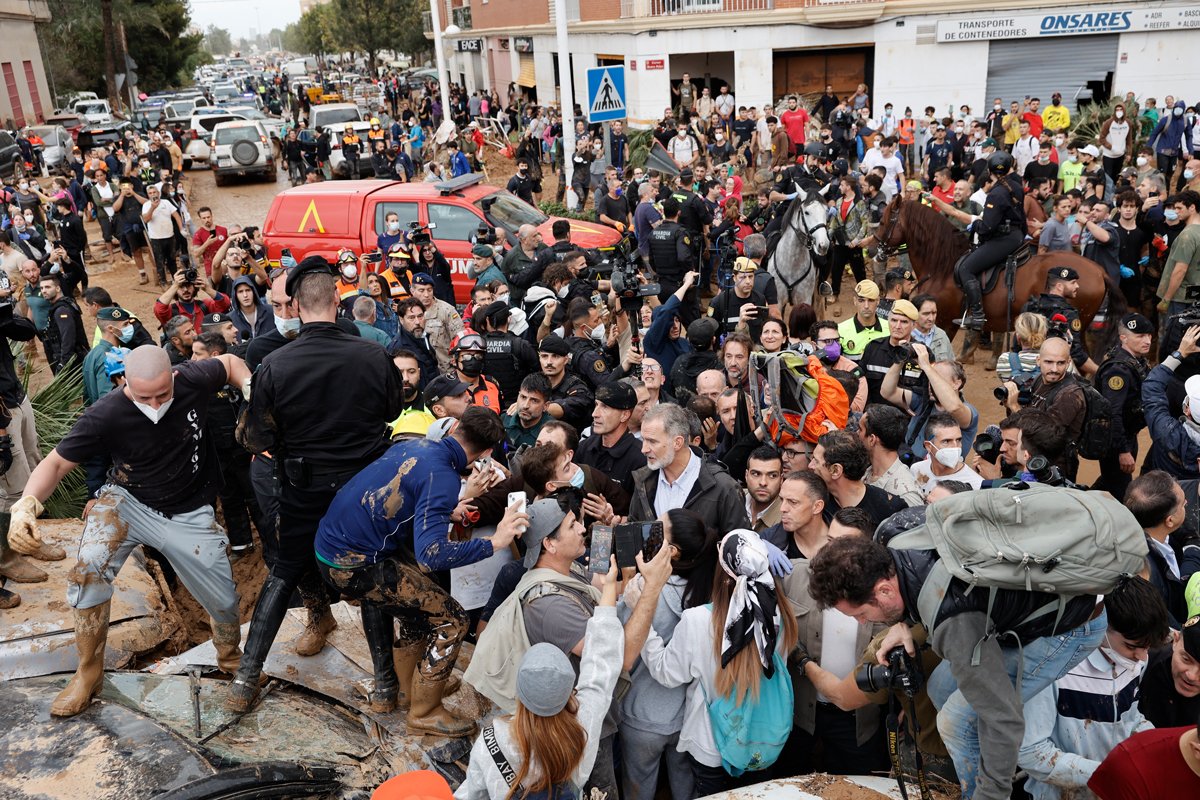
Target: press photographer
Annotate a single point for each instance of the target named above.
(1057, 393)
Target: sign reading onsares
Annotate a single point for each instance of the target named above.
(1073, 23)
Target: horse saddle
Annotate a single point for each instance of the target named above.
(991, 276)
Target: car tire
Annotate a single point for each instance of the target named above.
(245, 152)
(218, 179)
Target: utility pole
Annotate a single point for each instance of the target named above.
(566, 97)
(440, 57)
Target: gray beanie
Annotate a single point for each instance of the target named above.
(545, 680)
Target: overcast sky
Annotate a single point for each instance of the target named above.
(240, 17)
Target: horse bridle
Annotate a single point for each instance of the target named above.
(805, 234)
(885, 250)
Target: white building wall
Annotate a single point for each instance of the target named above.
(919, 75)
(1157, 64)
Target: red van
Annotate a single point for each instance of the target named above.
(322, 218)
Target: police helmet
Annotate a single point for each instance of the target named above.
(813, 149)
(1000, 162)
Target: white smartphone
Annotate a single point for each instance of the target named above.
(517, 497)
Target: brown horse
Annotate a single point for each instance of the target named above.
(935, 246)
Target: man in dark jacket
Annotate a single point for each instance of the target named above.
(1160, 507)
(1175, 447)
(980, 718)
(250, 312)
(675, 476)
(66, 340)
(611, 448)
(411, 336)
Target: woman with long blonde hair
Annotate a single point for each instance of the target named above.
(547, 748)
(725, 649)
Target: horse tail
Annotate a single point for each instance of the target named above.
(1118, 307)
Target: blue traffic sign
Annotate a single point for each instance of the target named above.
(606, 94)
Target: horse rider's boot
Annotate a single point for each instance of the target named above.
(269, 612)
(974, 319)
(91, 633)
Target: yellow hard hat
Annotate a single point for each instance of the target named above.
(374, 120)
(414, 422)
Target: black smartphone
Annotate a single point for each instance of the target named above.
(652, 539)
(374, 258)
(627, 543)
(601, 552)
(763, 312)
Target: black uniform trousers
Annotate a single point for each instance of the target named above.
(1112, 479)
(238, 504)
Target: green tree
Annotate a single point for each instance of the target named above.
(367, 25)
(312, 34)
(411, 39)
(218, 41)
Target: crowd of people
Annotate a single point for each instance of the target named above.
(690, 501)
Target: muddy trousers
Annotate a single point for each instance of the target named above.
(427, 614)
(192, 542)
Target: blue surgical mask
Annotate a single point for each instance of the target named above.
(577, 478)
(1188, 174)
(288, 328)
(1170, 214)
(126, 334)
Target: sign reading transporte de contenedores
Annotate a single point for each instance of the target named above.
(1084, 21)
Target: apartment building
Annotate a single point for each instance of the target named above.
(915, 53)
(25, 98)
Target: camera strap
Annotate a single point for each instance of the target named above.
(893, 739)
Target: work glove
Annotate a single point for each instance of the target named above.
(6, 455)
(22, 525)
(781, 565)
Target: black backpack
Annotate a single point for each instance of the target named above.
(1095, 438)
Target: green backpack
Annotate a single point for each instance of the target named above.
(1066, 542)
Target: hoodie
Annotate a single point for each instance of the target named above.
(1170, 131)
(263, 322)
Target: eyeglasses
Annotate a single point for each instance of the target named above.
(832, 340)
(651, 368)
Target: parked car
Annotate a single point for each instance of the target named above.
(333, 116)
(273, 125)
(241, 147)
(10, 156)
(71, 121)
(321, 218)
(97, 135)
(337, 161)
(95, 111)
(56, 144)
(197, 133)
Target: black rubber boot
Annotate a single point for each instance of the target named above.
(380, 630)
(269, 612)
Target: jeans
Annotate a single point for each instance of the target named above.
(642, 754)
(1039, 664)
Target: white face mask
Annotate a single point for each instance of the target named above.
(562, 292)
(1119, 114)
(154, 414)
(948, 457)
(350, 272)
(1121, 663)
(1059, 141)
(1142, 161)
(598, 332)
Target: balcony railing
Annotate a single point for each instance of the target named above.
(657, 8)
(461, 17)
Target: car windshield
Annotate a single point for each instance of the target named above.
(325, 118)
(509, 212)
(231, 135)
(91, 108)
(249, 113)
(224, 91)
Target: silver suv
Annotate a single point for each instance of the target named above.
(241, 148)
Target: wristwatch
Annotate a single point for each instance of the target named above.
(803, 662)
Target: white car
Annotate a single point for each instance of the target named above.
(273, 125)
(337, 161)
(333, 116)
(98, 112)
(197, 133)
(241, 147)
(56, 144)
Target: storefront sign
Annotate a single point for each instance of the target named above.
(523, 44)
(1085, 21)
(655, 63)
(469, 45)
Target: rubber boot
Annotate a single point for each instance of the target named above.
(408, 661)
(380, 630)
(269, 612)
(227, 636)
(428, 715)
(13, 565)
(974, 319)
(91, 633)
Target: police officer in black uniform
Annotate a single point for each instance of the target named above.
(588, 360)
(673, 255)
(1001, 230)
(1062, 285)
(508, 358)
(1119, 379)
(570, 399)
(316, 451)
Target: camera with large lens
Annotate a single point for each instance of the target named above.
(903, 353)
(902, 673)
(190, 275)
(1174, 330)
(419, 234)
(625, 278)
(1024, 382)
(1044, 472)
(485, 234)
(987, 442)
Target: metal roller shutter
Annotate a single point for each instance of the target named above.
(527, 77)
(1041, 67)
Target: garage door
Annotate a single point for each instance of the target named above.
(1041, 67)
(526, 77)
(810, 72)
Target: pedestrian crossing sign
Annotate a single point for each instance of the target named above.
(606, 94)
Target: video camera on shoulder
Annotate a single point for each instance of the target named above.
(421, 235)
(626, 278)
(1176, 327)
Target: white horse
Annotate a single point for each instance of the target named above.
(803, 229)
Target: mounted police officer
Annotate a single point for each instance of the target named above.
(1062, 285)
(1119, 379)
(1001, 230)
(673, 255)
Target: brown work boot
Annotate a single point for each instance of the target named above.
(227, 636)
(428, 715)
(320, 624)
(9, 599)
(49, 552)
(91, 633)
(18, 569)
(408, 660)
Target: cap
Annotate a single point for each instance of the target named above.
(114, 361)
(743, 264)
(113, 314)
(498, 312)
(1064, 273)
(472, 124)
(1136, 323)
(309, 266)
(545, 680)
(1091, 150)
(421, 784)
(422, 279)
(618, 395)
(443, 386)
(905, 308)
(555, 345)
(1056, 94)
(904, 273)
(867, 289)
(482, 251)
(701, 331)
(1191, 637)
(216, 319)
(988, 142)
(914, 185)
(686, 174)
(544, 518)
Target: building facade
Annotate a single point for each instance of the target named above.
(908, 52)
(25, 98)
